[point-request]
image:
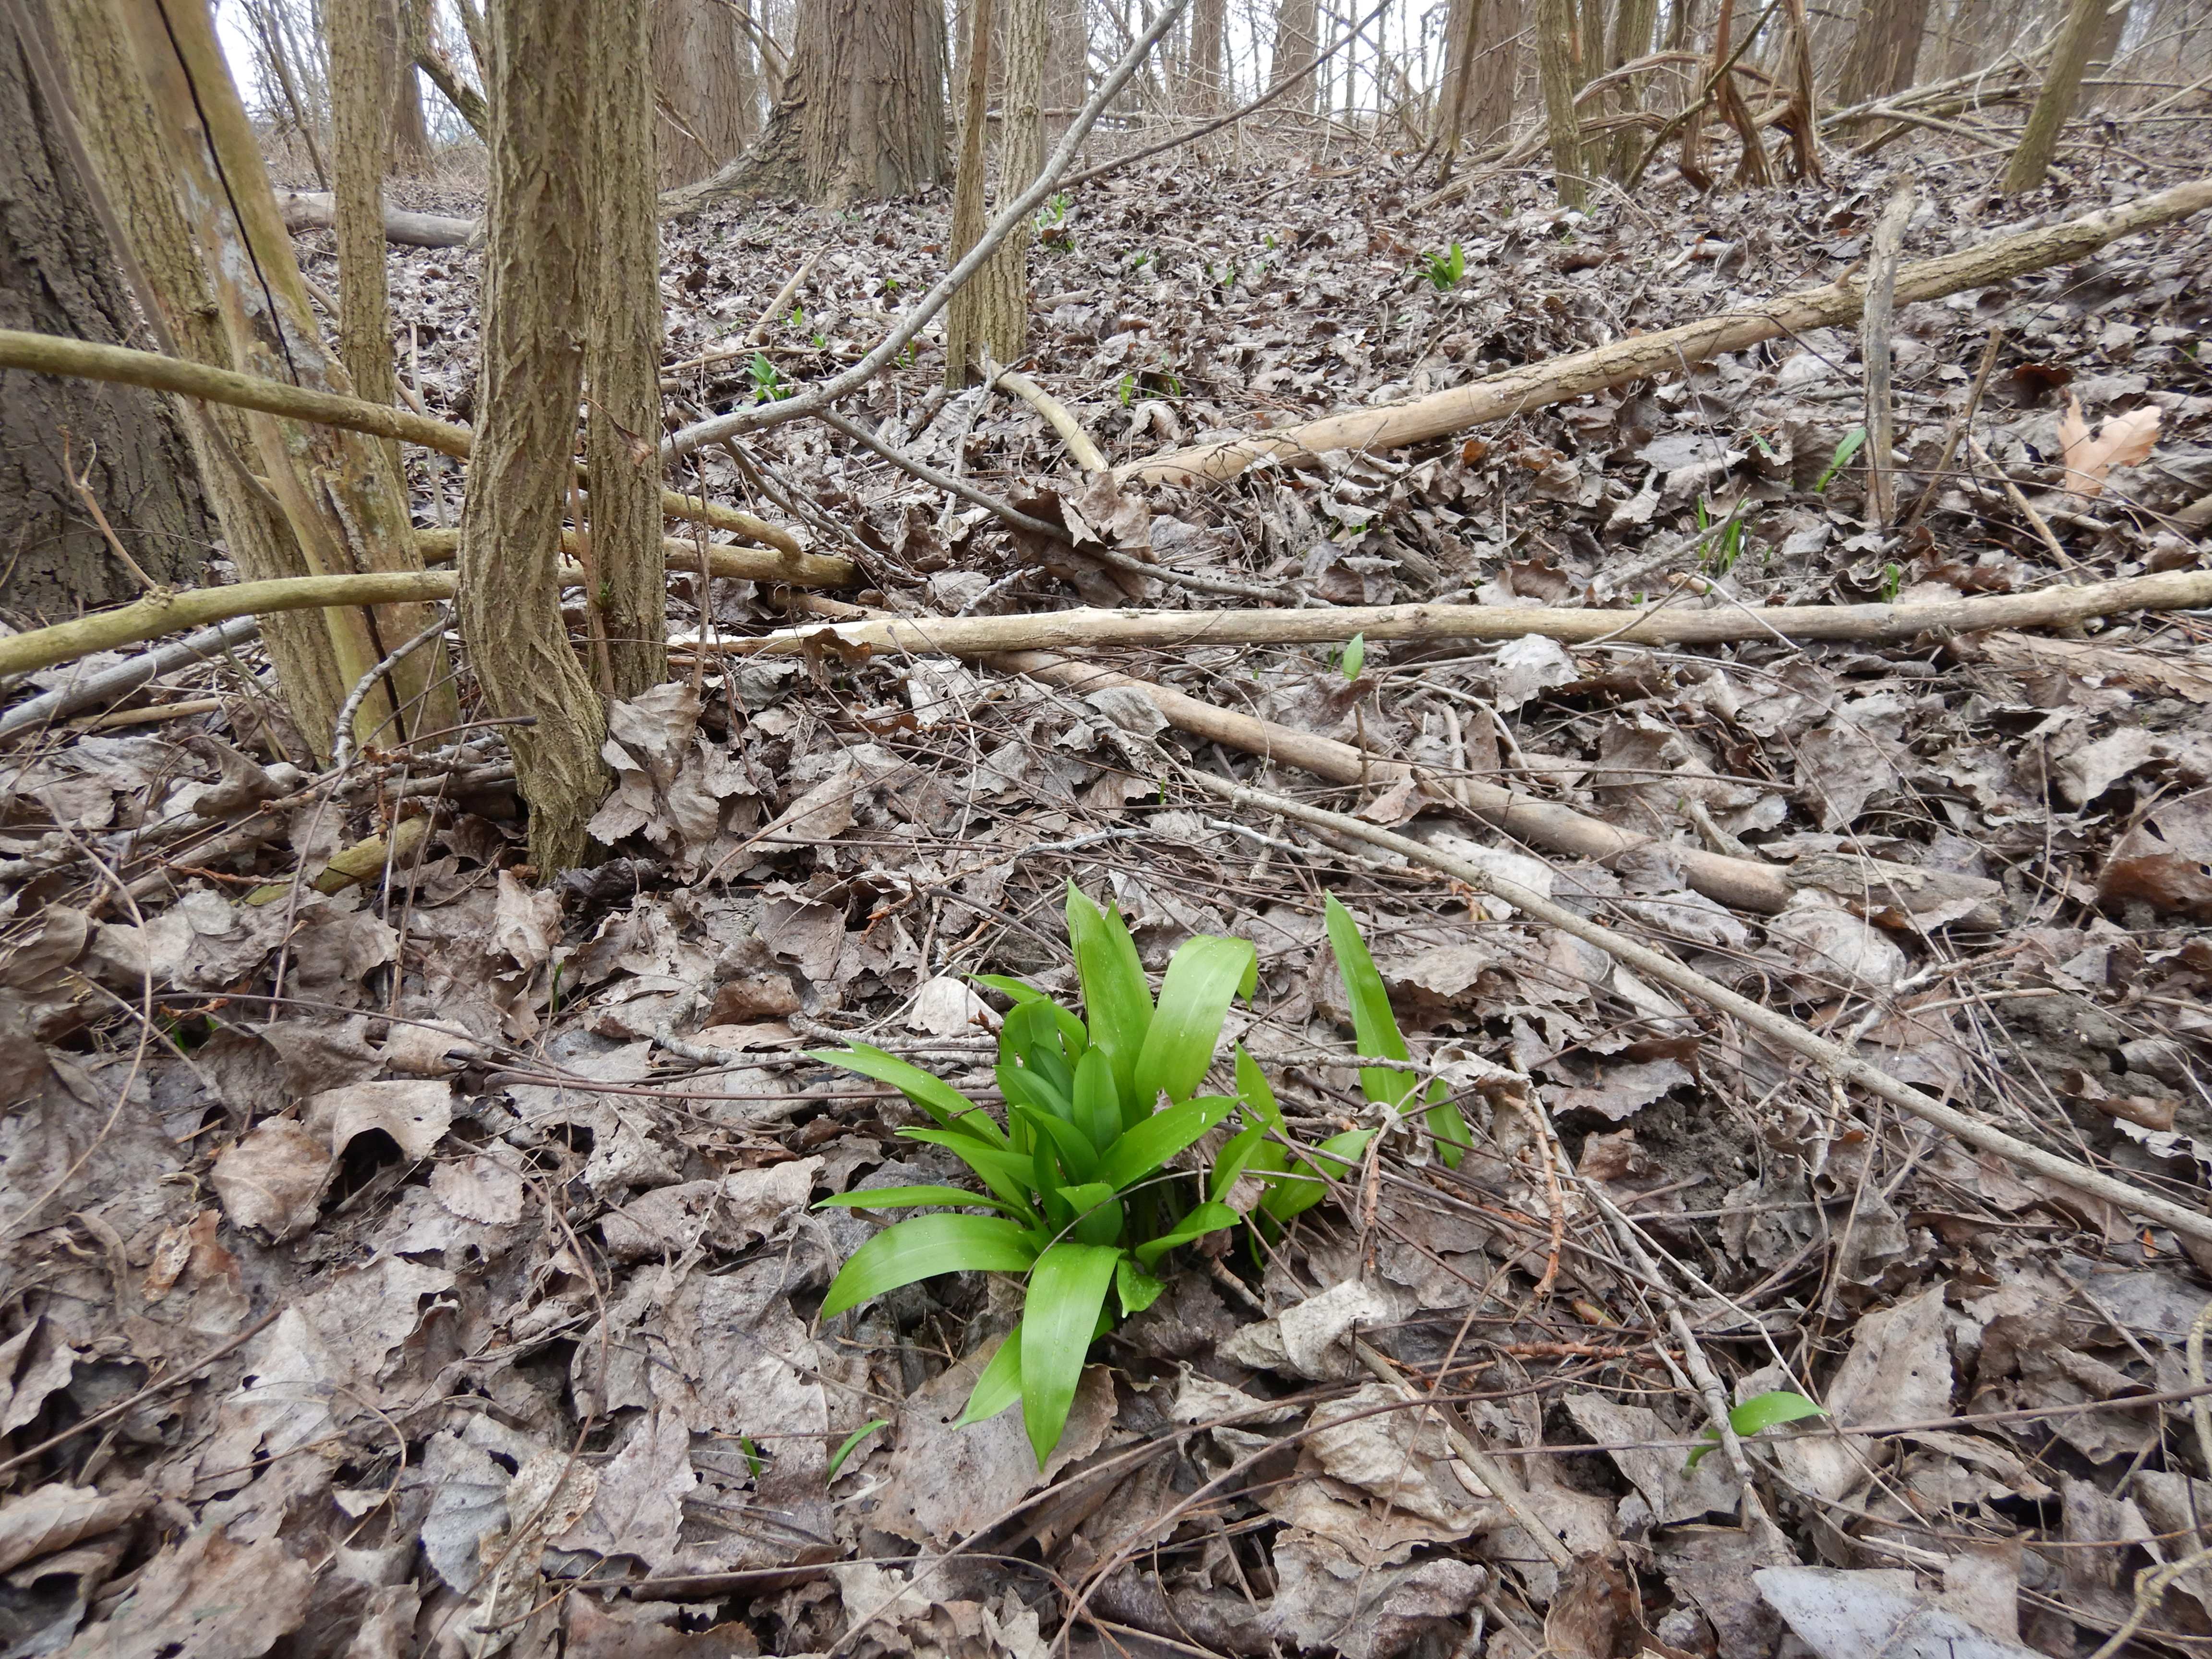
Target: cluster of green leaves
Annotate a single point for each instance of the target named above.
(1445, 270)
(1082, 1176)
(769, 384)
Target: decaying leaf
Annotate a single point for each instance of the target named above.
(2122, 440)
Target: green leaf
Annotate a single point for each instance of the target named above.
(1301, 1187)
(1117, 1002)
(1097, 1103)
(923, 1248)
(1097, 1212)
(951, 1109)
(1000, 1383)
(1147, 1148)
(1372, 1022)
(1195, 997)
(1002, 1170)
(1253, 1090)
(1448, 1128)
(1068, 1290)
(1137, 1289)
(1761, 1411)
(1077, 1155)
(878, 1198)
(1206, 1218)
(1071, 1029)
(1854, 441)
(837, 1458)
(1229, 1163)
(1355, 656)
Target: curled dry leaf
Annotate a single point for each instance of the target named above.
(2124, 440)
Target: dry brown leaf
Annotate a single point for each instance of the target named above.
(2122, 440)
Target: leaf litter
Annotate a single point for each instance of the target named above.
(430, 1263)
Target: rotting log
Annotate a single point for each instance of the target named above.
(51, 354)
(1647, 357)
(1659, 624)
(316, 210)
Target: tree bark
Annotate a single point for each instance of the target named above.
(1298, 41)
(57, 275)
(1555, 35)
(702, 80)
(1209, 24)
(1479, 76)
(407, 135)
(2054, 104)
(861, 114)
(1632, 40)
(622, 353)
(346, 505)
(984, 312)
(361, 70)
(538, 248)
(1067, 62)
(130, 161)
(1884, 49)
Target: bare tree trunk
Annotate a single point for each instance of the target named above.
(1297, 41)
(361, 71)
(57, 276)
(628, 594)
(703, 82)
(420, 47)
(977, 306)
(861, 115)
(1555, 35)
(346, 509)
(2109, 31)
(1067, 62)
(1632, 40)
(538, 248)
(1201, 80)
(130, 169)
(1884, 50)
(2054, 104)
(407, 135)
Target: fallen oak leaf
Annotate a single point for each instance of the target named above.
(2122, 440)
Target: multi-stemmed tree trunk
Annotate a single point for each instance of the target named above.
(57, 275)
(2054, 104)
(704, 81)
(537, 249)
(861, 114)
(338, 491)
(1885, 47)
(1631, 39)
(627, 592)
(130, 164)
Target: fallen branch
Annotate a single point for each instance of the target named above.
(1741, 883)
(1663, 624)
(168, 612)
(1647, 357)
(123, 678)
(1080, 448)
(85, 360)
(315, 209)
(1833, 1059)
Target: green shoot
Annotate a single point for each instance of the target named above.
(1853, 442)
(1760, 1412)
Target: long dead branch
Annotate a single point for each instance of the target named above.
(86, 360)
(173, 612)
(316, 210)
(1647, 357)
(1660, 624)
(1832, 1058)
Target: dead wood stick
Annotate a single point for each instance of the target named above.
(127, 677)
(1085, 453)
(1873, 351)
(86, 360)
(1831, 1058)
(2025, 507)
(1958, 429)
(2044, 607)
(917, 317)
(758, 331)
(170, 612)
(1648, 356)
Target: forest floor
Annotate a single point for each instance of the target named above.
(386, 1263)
